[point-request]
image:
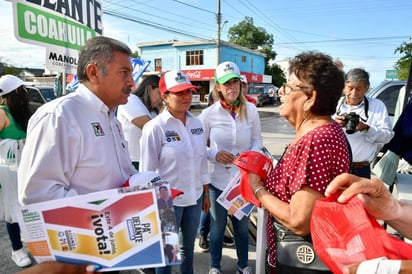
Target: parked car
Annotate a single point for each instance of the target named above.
(39, 95)
(260, 92)
(388, 92)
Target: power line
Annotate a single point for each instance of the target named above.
(272, 23)
(293, 43)
(346, 40)
(186, 4)
(156, 16)
(151, 24)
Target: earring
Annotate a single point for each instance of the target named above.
(305, 114)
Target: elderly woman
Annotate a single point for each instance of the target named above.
(317, 154)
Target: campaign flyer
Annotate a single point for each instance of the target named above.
(165, 194)
(117, 229)
(232, 199)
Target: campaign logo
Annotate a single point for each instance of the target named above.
(180, 78)
(197, 131)
(172, 136)
(229, 68)
(98, 129)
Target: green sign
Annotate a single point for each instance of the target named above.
(43, 27)
(391, 74)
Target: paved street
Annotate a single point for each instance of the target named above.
(276, 134)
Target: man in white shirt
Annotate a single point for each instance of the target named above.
(365, 120)
(75, 144)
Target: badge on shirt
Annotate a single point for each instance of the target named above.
(197, 131)
(98, 129)
(172, 136)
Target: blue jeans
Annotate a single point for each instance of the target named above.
(187, 220)
(13, 230)
(218, 218)
(204, 227)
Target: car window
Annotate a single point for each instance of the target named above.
(48, 93)
(270, 87)
(34, 96)
(389, 96)
(255, 90)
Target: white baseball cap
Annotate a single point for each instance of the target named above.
(174, 81)
(226, 71)
(8, 83)
(243, 79)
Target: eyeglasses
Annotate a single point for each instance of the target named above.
(287, 88)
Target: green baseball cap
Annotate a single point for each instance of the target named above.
(226, 71)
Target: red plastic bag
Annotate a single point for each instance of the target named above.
(345, 234)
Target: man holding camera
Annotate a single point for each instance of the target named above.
(365, 120)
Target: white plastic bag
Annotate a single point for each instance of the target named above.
(10, 155)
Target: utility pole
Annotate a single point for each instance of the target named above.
(219, 21)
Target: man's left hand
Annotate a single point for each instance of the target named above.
(361, 127)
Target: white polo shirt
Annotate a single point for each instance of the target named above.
(232, 135)
(178, 153)
(132, 133)
(74, 146)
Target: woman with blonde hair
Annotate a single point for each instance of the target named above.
(231, 125)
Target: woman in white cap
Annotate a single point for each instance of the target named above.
(231, 125)
(245, 89)
(173, 144)
(14, 116)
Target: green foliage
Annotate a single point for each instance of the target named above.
(8, 69)
(402, 65)
(247, 35)
(278, 76)
(135, 54)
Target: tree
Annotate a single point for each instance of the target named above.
(278, 76)
(246, 34)
(135, 54)
(402, 65)
(7, 69)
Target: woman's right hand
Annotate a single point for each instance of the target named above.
(224, 157)
(255, 181)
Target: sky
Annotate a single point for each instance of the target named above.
(361, 33)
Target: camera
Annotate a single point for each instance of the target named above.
(352, 120)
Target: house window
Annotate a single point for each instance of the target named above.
(194, 57)
(158, 64)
